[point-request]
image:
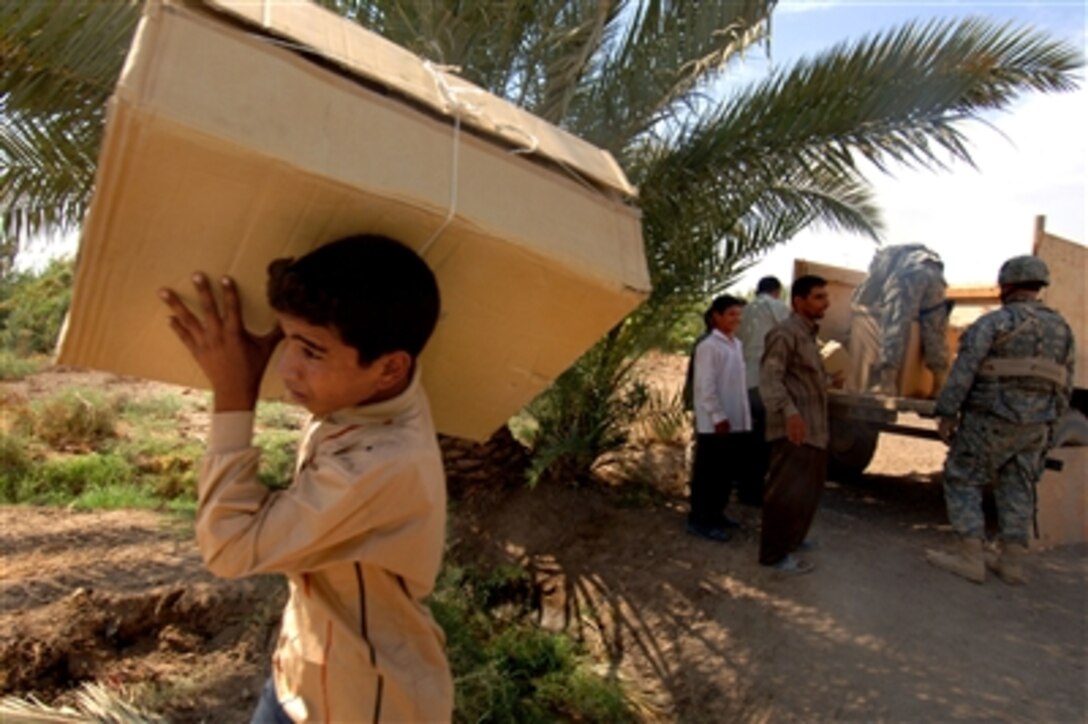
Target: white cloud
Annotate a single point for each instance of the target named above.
(790, 7)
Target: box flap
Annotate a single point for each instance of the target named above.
(370, 56)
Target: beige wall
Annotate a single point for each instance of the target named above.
(1068, 263)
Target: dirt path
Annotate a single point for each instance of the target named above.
(698, 630)
(874, 634)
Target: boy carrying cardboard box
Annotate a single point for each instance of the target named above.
(359, 533)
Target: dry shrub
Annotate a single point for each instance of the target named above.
(74, 420)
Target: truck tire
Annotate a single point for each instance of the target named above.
(851, 448)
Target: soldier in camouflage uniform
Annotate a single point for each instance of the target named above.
(905, 284)
(1011, 381)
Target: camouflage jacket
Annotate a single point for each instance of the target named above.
(1020, 329)
(906, 284)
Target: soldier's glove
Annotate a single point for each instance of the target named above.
(939, 378)
(946, 428)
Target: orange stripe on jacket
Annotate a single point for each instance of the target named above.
(325, 672)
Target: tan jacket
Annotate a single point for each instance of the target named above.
(359, 535)
(792, 380)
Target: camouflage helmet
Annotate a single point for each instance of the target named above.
(1024, 270)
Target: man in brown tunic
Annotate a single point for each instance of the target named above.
(793, 385)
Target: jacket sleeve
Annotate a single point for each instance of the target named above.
(772, 374)
(1070, 366)
(243, 528)
(708, 374)
(974, 347)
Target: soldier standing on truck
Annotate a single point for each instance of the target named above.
(905, 284)
(1011, 382)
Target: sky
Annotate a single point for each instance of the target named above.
(1030, 160)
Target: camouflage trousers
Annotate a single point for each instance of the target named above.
(988, 450)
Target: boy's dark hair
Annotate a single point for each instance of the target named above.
(722, 303)
(708, 321)
(376, 292)
(768, 285)
(804, 285)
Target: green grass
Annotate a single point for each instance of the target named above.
(16, 367)
(506, 668)
(60, 481)
(184, 508)
(524, 428)
(155, 412)
(118, 452)
(165, 465)
(582, 695)
(278, 448)
(33, 305)
(15, 464)
(115, 497)
(280, 415)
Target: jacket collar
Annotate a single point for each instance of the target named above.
(385, 411)
(805, 323)
(719, 335)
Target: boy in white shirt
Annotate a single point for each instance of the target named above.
(723, 421)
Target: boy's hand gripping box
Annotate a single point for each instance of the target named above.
(243, 131)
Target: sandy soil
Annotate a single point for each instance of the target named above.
(697, 629)
(121, 598)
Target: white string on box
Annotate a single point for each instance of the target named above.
(456, 106)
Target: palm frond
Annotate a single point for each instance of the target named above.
(47, 171)
(532, 52)
(62, 57)
(897, 97)
(665, 54)
(58, 65)
(703, 226)
(93, 703)
(589, 26)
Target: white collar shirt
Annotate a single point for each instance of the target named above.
(721, 389)
(759, 317)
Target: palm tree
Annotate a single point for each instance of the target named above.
(722, 178)
(58, 65)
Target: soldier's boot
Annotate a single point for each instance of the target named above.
(1009, 563)
(967, 561)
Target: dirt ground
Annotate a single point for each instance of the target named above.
(697, 630)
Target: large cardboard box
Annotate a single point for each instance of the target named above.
(240, 132)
